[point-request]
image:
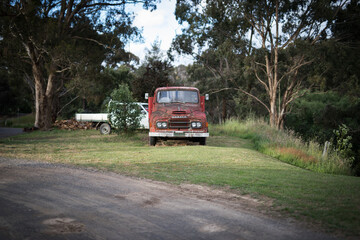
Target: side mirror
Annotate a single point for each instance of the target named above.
(146, 96)
(206, 97)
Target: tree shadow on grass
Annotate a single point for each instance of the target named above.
(212, 141)
(229, 142)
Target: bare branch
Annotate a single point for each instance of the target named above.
(299, 28)
(66, 92)
(341, 5)
(262, 82)
(257, 99)
(95, 41)
(251, 21)
(294, 68)
(67, 104)
(212, 71)
(243, 91)
(261, 64)
(30, 82)
(63, 70)
(219, 90)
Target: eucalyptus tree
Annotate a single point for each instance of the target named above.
(271, 33)
(154, 72)
(56, 38)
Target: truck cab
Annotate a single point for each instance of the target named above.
(177, 113)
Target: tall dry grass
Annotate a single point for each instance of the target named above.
(284, 145)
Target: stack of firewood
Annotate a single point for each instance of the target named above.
(72, 124)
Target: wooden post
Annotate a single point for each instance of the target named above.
(326, 149)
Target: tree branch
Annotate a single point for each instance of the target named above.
(294, 68)
(243, 91)
(67, 104)
(93, 40)
(261, 81)
(341, 4)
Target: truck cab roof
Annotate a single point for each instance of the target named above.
(177, 88)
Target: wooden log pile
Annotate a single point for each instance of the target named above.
(72, 124)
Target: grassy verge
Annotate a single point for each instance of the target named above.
(285, 146)
(18, 122)
(330, 200)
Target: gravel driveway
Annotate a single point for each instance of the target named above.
(8, 132)
(52, 201)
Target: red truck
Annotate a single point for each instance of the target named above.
(177, 113)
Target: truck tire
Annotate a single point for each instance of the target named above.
(105, 128)
(202, 141)
(152, 141)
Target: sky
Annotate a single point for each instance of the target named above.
(159, 24)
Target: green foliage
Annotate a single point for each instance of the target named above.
(343, 144)
(337, 59)
(153, 73)
(284, 145)
(25, 121)
(124, 114)
(54, 42)
(15, 96)
(336, 68)
(317, 114)
(347, 27)
(92, 90)
(222, 72)
(226, 35)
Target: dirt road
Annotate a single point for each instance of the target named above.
(50, 201)
(8, 132)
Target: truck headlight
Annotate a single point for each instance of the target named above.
(161, 124)
(196, 125)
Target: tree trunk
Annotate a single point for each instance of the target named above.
(224, 111)
(43, 99)
(281, 119)
(84, 105)
(39, 95)
(281, 122)
(273, 113)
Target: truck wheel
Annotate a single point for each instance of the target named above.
(152, 141)
(202, 141)
(105, 129)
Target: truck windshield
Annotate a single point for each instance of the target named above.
(174, 96)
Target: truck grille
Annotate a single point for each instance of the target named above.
(179, 123)
(179, 112)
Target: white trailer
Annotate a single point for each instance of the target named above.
(102, 122)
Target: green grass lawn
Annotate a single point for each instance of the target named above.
(333, 201)
(18, 122)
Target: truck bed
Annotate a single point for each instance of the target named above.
(91, 117)
(103, 117)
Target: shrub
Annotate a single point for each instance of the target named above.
(343, 144)
(124, 113)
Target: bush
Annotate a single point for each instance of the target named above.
(124, 113)
(343, 144)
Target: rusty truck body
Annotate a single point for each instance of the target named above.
(177, 113)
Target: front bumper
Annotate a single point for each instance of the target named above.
(179, 134)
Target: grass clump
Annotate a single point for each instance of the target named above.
(284, 145)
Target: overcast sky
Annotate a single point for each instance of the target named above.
(159, 24)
